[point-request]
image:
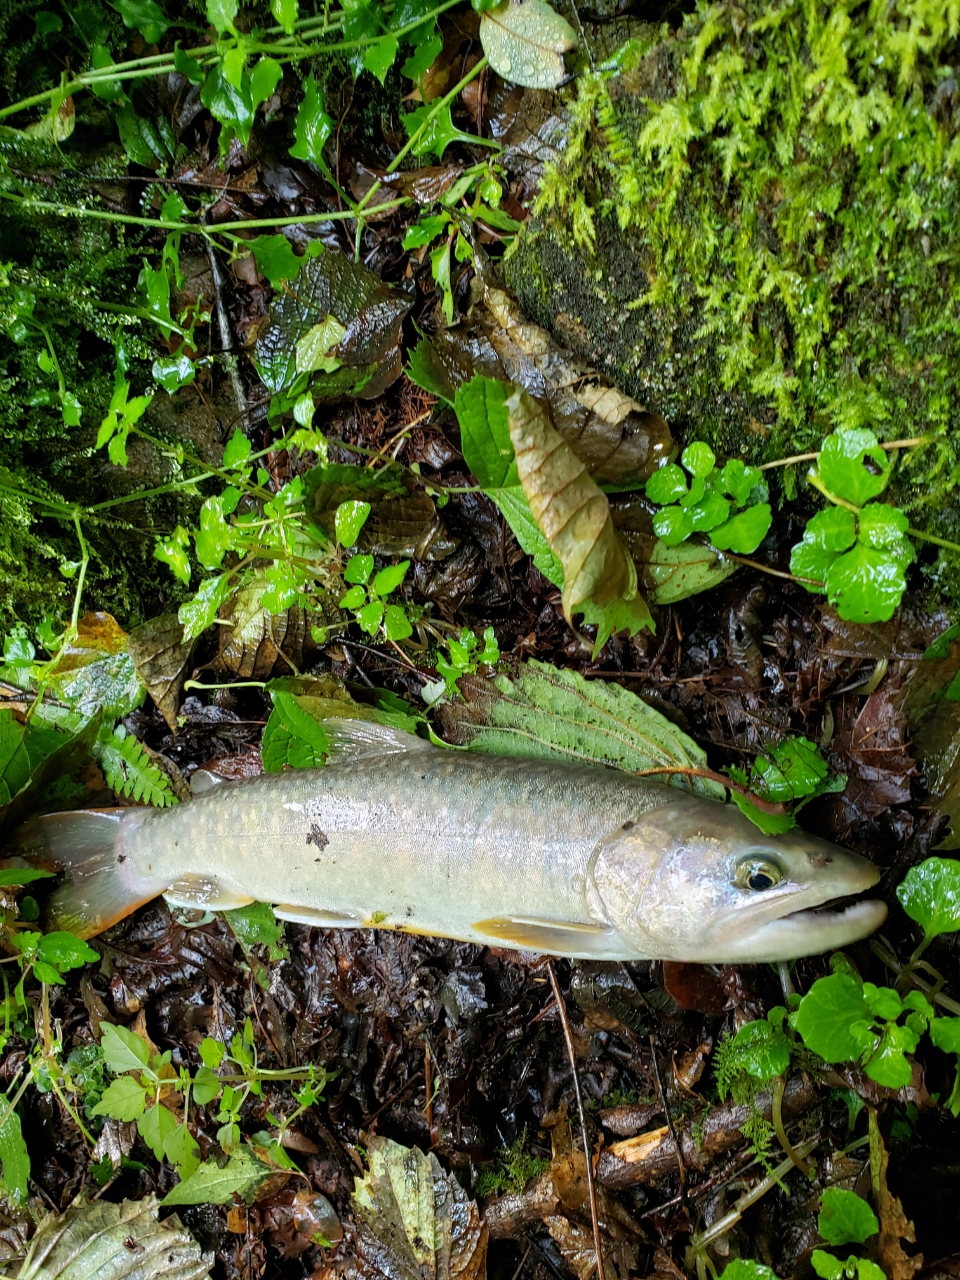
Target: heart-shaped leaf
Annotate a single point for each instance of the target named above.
(525, 43)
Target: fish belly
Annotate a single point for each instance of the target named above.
(429, 844)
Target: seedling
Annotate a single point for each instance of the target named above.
(728, 504)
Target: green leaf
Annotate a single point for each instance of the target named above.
(515, 508)
(760, 1049)
(187, 66)
(710, 512)
(438, 131)
(864, 585)
(423, 57)
(286, 13)
(425, 230)
(63, 950)
(213, 1052)
(358, 568)
(22, 875)
(887, 1063)
(172, 551)
(669, 484)
(144, 16)
(771, 824)
(390, 578)
(155, 1126)
(672, 525)
(315, 350)
(353, 598)
(207, 1085)
(370, 616)
(744, 1269)
(123, 1099)
(740, 481)
(129, 770)
(242, 1176)
(199, 612)
(220, 15)
(380, 56)
(930, 895)
(181, 1149)
(237, 449)
(945, 1034)
(698, 458)
(275, 258)
(745, 531)
(396, 624)
(555, 714)
(233, 107)
(174, 372)
(14, 1157)
(853, 466)
(264, 78)
(826, 1265)
(525, 43)
(884, 528)
(284, 744)
(845, 1217)
(349, 519)
(255, 925)
(123, 1050)
(481, 407)
(313, 126)
(796, 769)
(826, 1015)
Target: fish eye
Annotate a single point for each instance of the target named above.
(758, 873)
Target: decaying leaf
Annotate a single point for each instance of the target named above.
(574, 514)
(676, 573)
(933, 716)
(103, 1241)
(255, 643)
(417, 1222)
(161, 657)
(97, 671)
(525, 41)
(403, 520)
(558, 715)
(619, 441)
(332, 288)
(894, 1226)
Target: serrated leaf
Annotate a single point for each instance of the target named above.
(516, 511)
(123, 1099)
(63, 950)
(313, 126)
(744, 532)
(434, 130)
(155, 1125)
(242, 1176)
(255, 925)
(555, 714)
(199, 612)
(679, 572)
(276, 260)
(761, 1050)
(827, 1014)
(525, 43)
(574, 516)
(123, 1050)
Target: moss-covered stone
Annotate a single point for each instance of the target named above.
(752, 226)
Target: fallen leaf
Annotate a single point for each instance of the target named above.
(525, 43)
(161, 657)
(256, 643)
(416, 1221)
(599, 576)
(894, 1226)
(113, 1242)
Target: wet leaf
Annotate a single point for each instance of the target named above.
(96, 671)
(853, 466)
(277, 261)
(243, 1175)
(104, 1241)
(574, 516)
(417, 1222)
(481, 406)
(331, 286)
(313, 126)
(832, 1018)
(672, 574)
(255, 925)
(930, 894)
(556, 714)
(257, 643)
(292, 737)
(436, 131)
(162, 657)
(14, 1157)
(845, 1217)
(744, 532)
(525, 43)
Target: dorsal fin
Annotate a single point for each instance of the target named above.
(363, 739)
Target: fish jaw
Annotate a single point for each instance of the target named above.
(809, 932)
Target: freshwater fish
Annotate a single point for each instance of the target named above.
(539, 855)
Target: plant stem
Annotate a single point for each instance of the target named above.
(912, 443)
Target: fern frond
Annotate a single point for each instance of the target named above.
(128, 768)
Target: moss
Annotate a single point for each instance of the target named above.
(752, 225)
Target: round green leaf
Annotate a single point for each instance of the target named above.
(744, 1269)
(864, 585)
(739, 481)
(667, 485)
(826, 1015)
(845, 1217)
(853, 466)
(884, 529)
(389, 579)
(888, 1064)
(525, 43)
(353, 599)
(370, 616)
(672, 525)
(698, 487)
(834, 529)
(709, 513)
(396, 624)
(698, 458)
(945, 1034)
(930, 894)
(744, 533)
(762, 1050)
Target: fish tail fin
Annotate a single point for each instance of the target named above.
(103, 882)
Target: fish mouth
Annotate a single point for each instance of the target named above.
(822, 928)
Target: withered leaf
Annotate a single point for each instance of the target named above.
(416, 1222)
(599, 576)
(894, 1226)
(257, 643)
(161, 657)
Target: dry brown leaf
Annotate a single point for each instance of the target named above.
(256, 643)
(574, 516)
(894, 1225)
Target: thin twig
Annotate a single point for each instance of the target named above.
(812, 457)
(681, 1166)
(767, 806)
(226, 339)
(588, 1154)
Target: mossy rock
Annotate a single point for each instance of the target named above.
(752, 227)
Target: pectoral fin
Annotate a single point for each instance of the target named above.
(552, 937)
(205, 891)
(313, 915)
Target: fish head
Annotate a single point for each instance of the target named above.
(696, 880)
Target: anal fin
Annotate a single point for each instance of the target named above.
(551, 937)
(315, 916)
(194, 890)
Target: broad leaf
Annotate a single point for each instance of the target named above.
(930, 894)
(525, 43)
(845, 1217)
(242, 1176)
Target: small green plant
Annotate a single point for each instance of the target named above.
(366, 597)
(729, 504)
(845, 1218)
(792, 772)
(511, 1171)
(464, 657)
(149, 1090)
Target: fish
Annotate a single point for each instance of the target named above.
(538, 855)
